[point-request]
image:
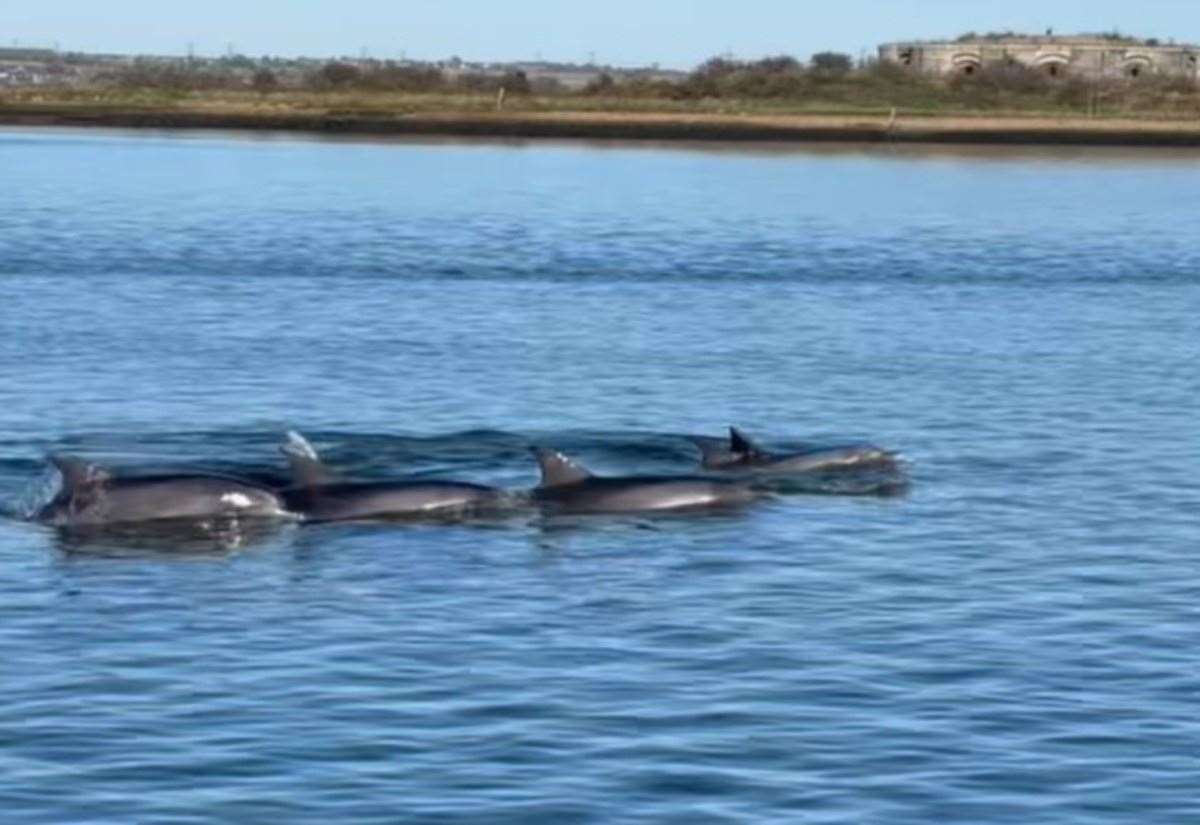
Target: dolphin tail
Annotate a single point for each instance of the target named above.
(557, 469)
(307, 468)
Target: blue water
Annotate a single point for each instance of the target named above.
(1016, 639)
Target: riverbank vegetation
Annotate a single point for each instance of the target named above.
(830, 83)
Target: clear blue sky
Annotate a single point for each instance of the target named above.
(675, 33)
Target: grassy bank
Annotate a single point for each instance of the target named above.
(596, 116)
(854, 95)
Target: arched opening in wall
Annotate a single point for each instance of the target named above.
(1137, 69)
(966, 64)
(1053, 66)
(906, 57)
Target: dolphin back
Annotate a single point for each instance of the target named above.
(714, 452)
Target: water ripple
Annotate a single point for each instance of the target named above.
(1012, 640)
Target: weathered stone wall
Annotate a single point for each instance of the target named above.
(1058, 57)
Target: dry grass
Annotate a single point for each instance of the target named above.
(377, 104)
(572, 116)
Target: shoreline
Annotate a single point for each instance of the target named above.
(666, 126)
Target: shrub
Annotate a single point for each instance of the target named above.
(337, 75)
(515, 83)
(601, 86)
(1003, 77)
(171, 76)
(264, 81)
(832, 64)
(394, 77)
(770, 77)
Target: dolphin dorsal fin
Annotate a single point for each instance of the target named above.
(558, 470)
(307, 468)
(739, 442)
(78, 475)
(82, 482)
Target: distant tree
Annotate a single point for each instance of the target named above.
(238, 61)
(338, 75)
(716, 67)
(515, 83)
(265, 81)
(601, 85)
(476, 82)
(547, 86)
(705, 80)
(780, 64)
(832, 63)
(780, 76)
(391, 76)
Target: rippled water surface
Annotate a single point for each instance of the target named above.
(1014, 640)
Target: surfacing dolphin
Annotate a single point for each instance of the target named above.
(91, 496)
(570, 488)
(742, 454)
(319, 495)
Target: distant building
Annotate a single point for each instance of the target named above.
(1092, 57)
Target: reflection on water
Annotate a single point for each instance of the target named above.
(170, 539)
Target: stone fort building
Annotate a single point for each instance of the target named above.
(1091, 57)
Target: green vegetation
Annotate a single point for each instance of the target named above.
(1114, 37)
(830, 84)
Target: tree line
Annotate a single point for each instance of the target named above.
(779, 76)
(827, 79)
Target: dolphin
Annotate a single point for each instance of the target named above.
(321, 496)
(568, 487)
(741, 454)
(91, 496)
